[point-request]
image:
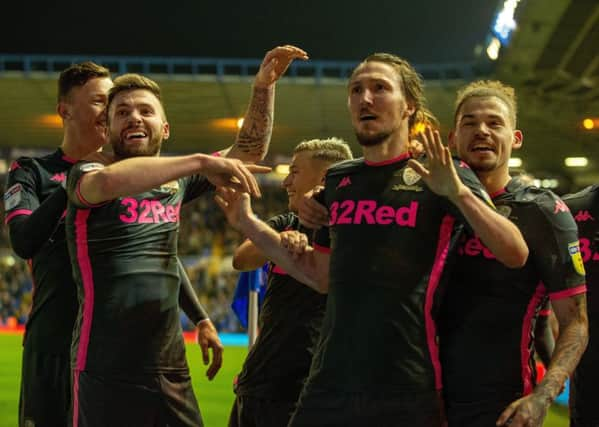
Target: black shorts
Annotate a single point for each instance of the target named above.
(45, 395)
(146, 400)
(482, 412)
(249, 411)
(335, 409)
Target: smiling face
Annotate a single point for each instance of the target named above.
(84, 110)
(484, 135)
(137, 124)
(377, 104)
(305, 173)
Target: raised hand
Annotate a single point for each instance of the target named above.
(276, 62)
(440, 176)
(222, 171)
(235, 205)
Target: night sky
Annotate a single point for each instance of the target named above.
(422, 31)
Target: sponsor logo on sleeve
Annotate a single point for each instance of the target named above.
(88, 167)
(12, 197)
(560, 206)
(574, 250)
(345, 181)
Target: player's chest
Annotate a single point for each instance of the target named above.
(149, 208)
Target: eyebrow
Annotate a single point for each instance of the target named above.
(472, 116)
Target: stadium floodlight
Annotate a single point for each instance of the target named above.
(505, 23)
(493, 49)
(514, 162)
(589, 124)
(282, 169)
(576, 162)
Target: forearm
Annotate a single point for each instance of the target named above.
(498, 233)
(248, 257)
(304, 269)
(29, 233)
(252, 142)
(137, 175)
(569, 348)
(188, 299)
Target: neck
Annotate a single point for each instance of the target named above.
(394, 146)
(75, 146)
(494, 181)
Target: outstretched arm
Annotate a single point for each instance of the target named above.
(139, 174)
(499, 234)
(310, 268)
(251, 144)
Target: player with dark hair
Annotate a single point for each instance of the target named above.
(122, 223)
(392, 224)
(34, 204)
(488, 314)
(291, 315)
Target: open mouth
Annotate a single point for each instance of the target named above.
(367, 117)
(135, 136)
(482, 149)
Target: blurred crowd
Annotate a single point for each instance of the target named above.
(206, 245)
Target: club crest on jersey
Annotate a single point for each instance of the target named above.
(410, 177)
(171, 187)
(88, 167)
(577, 262)
(12, 197)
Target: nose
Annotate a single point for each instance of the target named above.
(134, 116)
(366, 97)
(482, 129)
(286, 182)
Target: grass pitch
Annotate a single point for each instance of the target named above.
(215, 397)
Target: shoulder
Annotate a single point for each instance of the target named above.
(345, 167)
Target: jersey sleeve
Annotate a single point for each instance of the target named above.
(322, 238)
(280, 222)
(21, 196)
(552, 236)
(74, 182)
(195, 186)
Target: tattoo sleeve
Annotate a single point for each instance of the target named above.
(573, 337)
(254, 136)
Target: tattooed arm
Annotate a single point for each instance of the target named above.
(253, 139)
(571, 313)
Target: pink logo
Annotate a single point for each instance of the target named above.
(59, 177)
(474, 247)
(344, 182)
(463, 164)
(148, 212)
(560, 206)
(582, 216)
(368, 212)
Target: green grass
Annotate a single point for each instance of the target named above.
(215, 397)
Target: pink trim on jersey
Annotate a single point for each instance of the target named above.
(278, 270)
(581, 289)
(69, 159)
(498, 193)
(87, 278)
(431, 288)
(82, 199)
(322, 249)
(545, 312)
(388, 161)
(64, 214)
(17, 213)
(76, 398)
(526, 337)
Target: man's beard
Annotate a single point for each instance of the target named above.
(123, 150)
(372, 140)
